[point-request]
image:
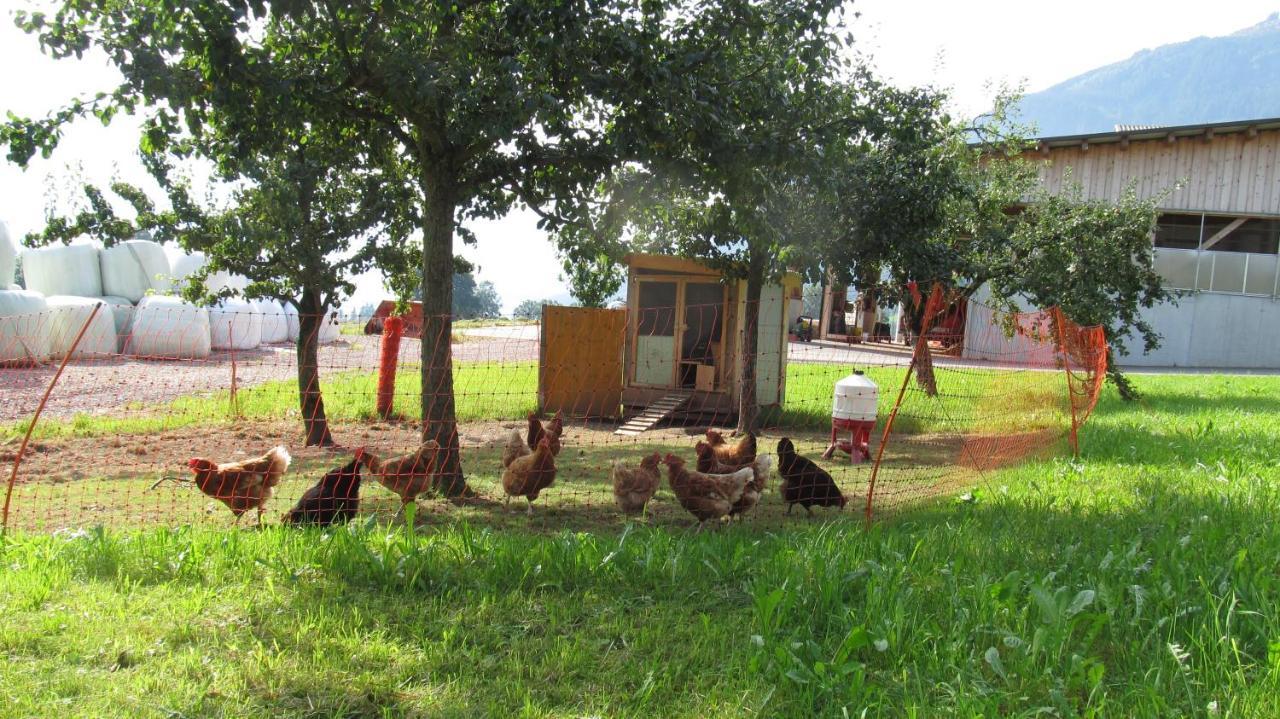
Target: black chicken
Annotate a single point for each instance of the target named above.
(334, 499)
(804, 482)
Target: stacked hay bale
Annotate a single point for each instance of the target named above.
(235, 325)
(24, 339)
(169, 328)
(68, 314)
(275, 323)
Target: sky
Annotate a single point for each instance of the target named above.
(969, 48)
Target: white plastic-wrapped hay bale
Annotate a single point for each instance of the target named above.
(8, 256)
(169, 328)
(329, 329)
(291, 317)
(184, 265)
(122, 313)
(24, 338)
(223, 280)
(275, 324)
(68, 314)
(63, 270)
(326, 333)
(235, 325)
(135, 268)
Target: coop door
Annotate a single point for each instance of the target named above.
(655, 361)
(700, 342)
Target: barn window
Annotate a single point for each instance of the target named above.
(1179, 232)
(1255, 236)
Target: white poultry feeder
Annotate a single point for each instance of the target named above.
(853, 411)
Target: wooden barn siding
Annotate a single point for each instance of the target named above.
(1230, 174)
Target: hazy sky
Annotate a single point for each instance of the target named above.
(965, 47)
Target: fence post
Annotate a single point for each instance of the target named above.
(31, 426)
(231, 344)
(932, 304)
(392, 331)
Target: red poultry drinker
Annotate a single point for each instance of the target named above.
(853, 412)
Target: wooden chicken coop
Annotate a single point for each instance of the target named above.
(679, 345)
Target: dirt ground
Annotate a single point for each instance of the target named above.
(101, 387)
(75, 483)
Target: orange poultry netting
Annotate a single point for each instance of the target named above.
(118, 400)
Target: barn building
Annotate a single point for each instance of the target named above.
(1217, 187)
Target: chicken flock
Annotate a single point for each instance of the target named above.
(726, 480)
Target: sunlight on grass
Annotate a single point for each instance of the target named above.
(1137, 581)
(970, 401)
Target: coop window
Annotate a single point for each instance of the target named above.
(657, 309)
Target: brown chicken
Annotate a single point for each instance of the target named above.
(706, 496)
(242, 485)
(738, 455)
(553, 430)
(760, 469)
(514, 449)
(408, 475)
(633, 487)
(527, 476)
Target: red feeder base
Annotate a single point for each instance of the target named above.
(857, 446)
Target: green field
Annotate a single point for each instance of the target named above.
(970, 400)
(1140, 580)
(484, 390)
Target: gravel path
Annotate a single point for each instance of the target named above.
(108, 386)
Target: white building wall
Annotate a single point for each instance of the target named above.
(1202, 330)
(1209, 330)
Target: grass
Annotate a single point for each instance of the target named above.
(492, 322)
(971, 400)
(484, 390)
(1138, 581)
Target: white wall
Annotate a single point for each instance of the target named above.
(1212, 330)
(1207, 330)
(985, 340)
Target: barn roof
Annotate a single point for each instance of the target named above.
(1126, 133)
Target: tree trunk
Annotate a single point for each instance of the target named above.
(311, 401)
(925, 377)
(748, 406)
(870, 313)
(439, 418)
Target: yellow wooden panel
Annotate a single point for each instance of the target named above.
(580, 368)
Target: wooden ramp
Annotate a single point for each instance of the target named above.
(653, 414)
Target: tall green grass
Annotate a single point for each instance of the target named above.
(1138, 581)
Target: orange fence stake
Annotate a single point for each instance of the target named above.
(392, 331)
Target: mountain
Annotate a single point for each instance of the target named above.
(1208, 79)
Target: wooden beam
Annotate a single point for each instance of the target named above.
(1221, 234)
